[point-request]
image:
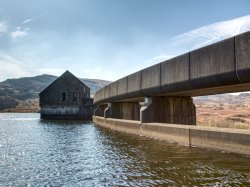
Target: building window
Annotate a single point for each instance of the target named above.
(63, 96)
(74, 96)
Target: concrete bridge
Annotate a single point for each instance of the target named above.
(162, 93)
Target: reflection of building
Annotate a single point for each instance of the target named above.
(66, 98)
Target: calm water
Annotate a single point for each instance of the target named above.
(40, 153)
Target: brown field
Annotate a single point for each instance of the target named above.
(227, 112)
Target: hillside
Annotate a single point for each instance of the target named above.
(22, 94)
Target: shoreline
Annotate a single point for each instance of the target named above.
(20, 111)
(221, 139)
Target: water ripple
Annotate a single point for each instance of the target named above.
(39, 153)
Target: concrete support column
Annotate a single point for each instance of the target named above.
(99, 111)
(174, 110)
(123, 110)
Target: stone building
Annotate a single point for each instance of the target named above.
(66, 98)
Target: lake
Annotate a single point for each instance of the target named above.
(34, 152)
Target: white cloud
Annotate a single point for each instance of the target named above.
(27, 21)
(204, 36)
(3, 27)
(99, 72)
(216, 32)
(12, 67)
(19, 33)
(51, 71)
(34, 18)
(158, 59)
(22, 32)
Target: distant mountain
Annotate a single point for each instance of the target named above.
(17, 92)
(241, 98)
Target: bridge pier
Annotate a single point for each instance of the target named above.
(123, 110)
(173, 110)
(99, 111)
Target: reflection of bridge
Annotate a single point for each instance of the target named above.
(166, 88)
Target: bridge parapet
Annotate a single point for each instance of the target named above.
(175, 74)
(242, 43)
(213, 65)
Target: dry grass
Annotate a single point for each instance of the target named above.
(223, 114)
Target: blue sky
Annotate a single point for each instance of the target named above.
(108, 39)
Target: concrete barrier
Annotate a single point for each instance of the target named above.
(151, 80)
(122, 87)
(229, 140)
(99, 120)
(108, 123)
(213, 65)
(175, 74)
(128, 126)
(107, 91)
(102, 94)
(113, 90)
(171, 133)
(242, 47)
(134, 85)
(97, 96)
(223, 139)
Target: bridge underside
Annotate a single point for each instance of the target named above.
(162, 109)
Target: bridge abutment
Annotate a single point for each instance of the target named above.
(173, 110)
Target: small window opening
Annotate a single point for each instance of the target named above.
(63, 96)
(74, 96)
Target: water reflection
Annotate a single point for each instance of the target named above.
(35, 152)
